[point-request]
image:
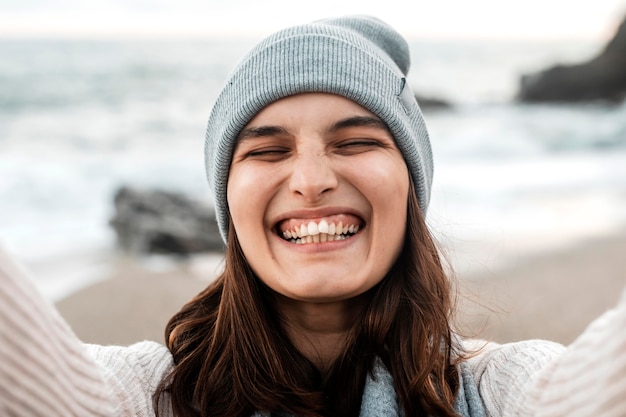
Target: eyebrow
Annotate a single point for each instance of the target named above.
(359, 121)
(261, 131)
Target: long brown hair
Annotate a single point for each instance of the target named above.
(233, 357)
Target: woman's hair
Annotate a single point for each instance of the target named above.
(233, 356)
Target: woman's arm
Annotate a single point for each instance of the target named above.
(589, 378)
(46, 371)
(544, 379)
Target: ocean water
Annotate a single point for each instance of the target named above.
(78, 119)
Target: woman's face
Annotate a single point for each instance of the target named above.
(318, 192)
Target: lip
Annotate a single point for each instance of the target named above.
(314, 214)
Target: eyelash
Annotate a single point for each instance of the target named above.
(265, 152)
(359, 143)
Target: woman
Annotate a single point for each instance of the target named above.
(333, 301)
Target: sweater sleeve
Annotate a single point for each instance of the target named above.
(133, 374)
(45, 370)
(588, 379)
(544, 379)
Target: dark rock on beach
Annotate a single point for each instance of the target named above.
(160, 222)
(601, 78)
(432, 103)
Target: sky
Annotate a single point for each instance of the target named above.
(446, 19)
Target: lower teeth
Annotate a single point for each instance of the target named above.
(304, 240)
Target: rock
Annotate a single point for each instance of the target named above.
(432, 103)
(163, 222)
(602, 78)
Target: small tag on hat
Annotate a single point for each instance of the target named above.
(406, 96)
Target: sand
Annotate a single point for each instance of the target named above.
(552, 296)
(136, 302)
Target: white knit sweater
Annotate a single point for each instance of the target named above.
(46, 371)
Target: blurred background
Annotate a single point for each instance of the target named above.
(99, 94)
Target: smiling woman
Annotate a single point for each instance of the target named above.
(333, 300)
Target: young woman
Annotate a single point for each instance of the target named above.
(333, 301)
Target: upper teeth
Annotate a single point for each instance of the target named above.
(319, 231)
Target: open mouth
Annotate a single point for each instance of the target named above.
(305, 231)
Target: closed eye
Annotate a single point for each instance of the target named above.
(263, 143)
(267, 154)
(356, 146)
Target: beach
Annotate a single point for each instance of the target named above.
(528, 190)
(552, 295)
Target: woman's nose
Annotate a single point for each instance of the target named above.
(312, 176)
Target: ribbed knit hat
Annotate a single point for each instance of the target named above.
(358, 57)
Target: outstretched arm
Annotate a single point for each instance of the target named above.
(589, 378)
(543, 379)
(46, 371)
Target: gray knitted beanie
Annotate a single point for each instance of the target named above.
(358, 57)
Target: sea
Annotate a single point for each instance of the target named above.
(81, 118)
